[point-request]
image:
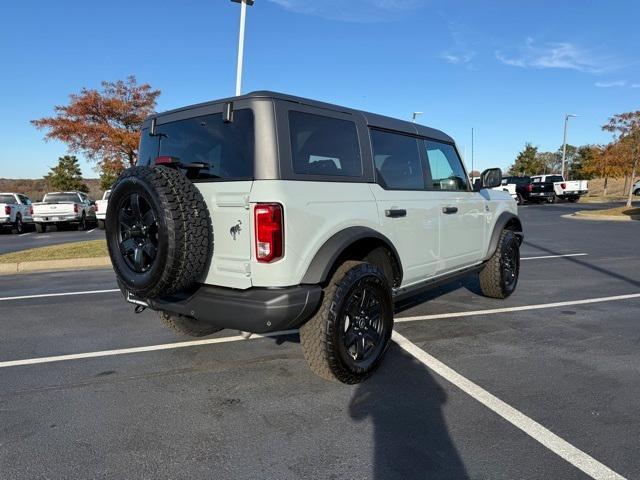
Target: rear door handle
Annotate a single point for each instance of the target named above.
(449, 210)
(395, 212)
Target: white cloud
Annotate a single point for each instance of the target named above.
(635, 85)
(558, 55)
(612, 83)
(361, 11)
(459, 53)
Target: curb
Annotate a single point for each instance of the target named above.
(54, 265)
(601, 218)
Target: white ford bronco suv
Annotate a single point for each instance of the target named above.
(268, 212)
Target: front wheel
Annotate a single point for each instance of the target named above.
(499, 277)
(346, 339)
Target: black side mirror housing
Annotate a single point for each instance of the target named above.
(490, 178)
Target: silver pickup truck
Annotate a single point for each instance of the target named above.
(64, 209)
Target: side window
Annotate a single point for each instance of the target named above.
(24, 200)
(446, 168)
(397, 161)
(324, 145)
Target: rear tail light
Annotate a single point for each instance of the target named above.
(563, 185)
(269, 231)
(95, 207)
(529, 188)
(7, 210)
(30, 210)
(75, 208)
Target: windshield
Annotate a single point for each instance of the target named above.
(60, 197)
(225, 148)
(7, 199)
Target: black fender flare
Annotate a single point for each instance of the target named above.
(505, 219)
(325, 258)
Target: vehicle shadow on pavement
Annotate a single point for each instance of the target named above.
(583, 263)
(471, 283)
(404, 403)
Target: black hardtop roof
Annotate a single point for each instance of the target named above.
(372, 119)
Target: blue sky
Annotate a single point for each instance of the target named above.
(510, 69)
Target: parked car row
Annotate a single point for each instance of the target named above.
(62, 209)
(546, 188)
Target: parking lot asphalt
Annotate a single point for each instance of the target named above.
(10, 242)
(234, 408)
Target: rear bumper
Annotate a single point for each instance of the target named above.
(101, 216)
(256, 310)
(56, 219)
(574, 193)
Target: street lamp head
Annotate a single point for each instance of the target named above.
(415, 115)
(248, 2)
(571, 115)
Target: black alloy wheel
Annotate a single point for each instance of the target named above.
(510, 264)
(19, 225)
(363, 331)
(137, 233)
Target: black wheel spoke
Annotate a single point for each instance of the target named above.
(137, 258)
(125, 218)
(150, 250)
(149, 218)
(135, 206)
(127, 246)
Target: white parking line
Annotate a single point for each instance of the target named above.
(149, 348)
(553, 442)
(92, 230)
(24, 234)
(517, 309)
(555, 256)
(63, 294)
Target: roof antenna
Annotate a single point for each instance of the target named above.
(227, 112)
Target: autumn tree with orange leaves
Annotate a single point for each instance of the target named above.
(626, 130)
(103, 125)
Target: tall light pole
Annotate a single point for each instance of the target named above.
(415, 115)
(243, 14)
(564, 142)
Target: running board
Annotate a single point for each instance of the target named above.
(434, 282)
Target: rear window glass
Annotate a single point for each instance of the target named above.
(324, 145)
(7, 199)
(60, 197)
(226, 148)
(554, 178)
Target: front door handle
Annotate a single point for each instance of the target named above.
(449, 210)
(395, 212)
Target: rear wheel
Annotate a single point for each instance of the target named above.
(18, 226)
(552, 198)
(346, 339)
(41, 227)
(573, 199)
(499, 277)
(82, 225)
(519, 199)
(187, 325)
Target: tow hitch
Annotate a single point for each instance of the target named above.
(140, 304)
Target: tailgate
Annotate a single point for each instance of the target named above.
(53, 209)
(228, 204)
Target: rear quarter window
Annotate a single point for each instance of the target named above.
(324, 145)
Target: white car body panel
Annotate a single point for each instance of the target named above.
(571, 187)
(16, 207)
(57, 212)
(428, 241)
(101, 206)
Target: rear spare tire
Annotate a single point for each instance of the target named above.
(158, 231)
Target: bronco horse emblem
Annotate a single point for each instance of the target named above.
(235, 230)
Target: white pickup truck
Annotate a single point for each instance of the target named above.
(570, 190)
(62, 209)
(101, 209)
(15, 211)
(504, 186)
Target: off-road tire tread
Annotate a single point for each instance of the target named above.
(491, 274)
(316, 335)
(189, 229)
(187, 325)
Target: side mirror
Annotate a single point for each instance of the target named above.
(490, 178)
